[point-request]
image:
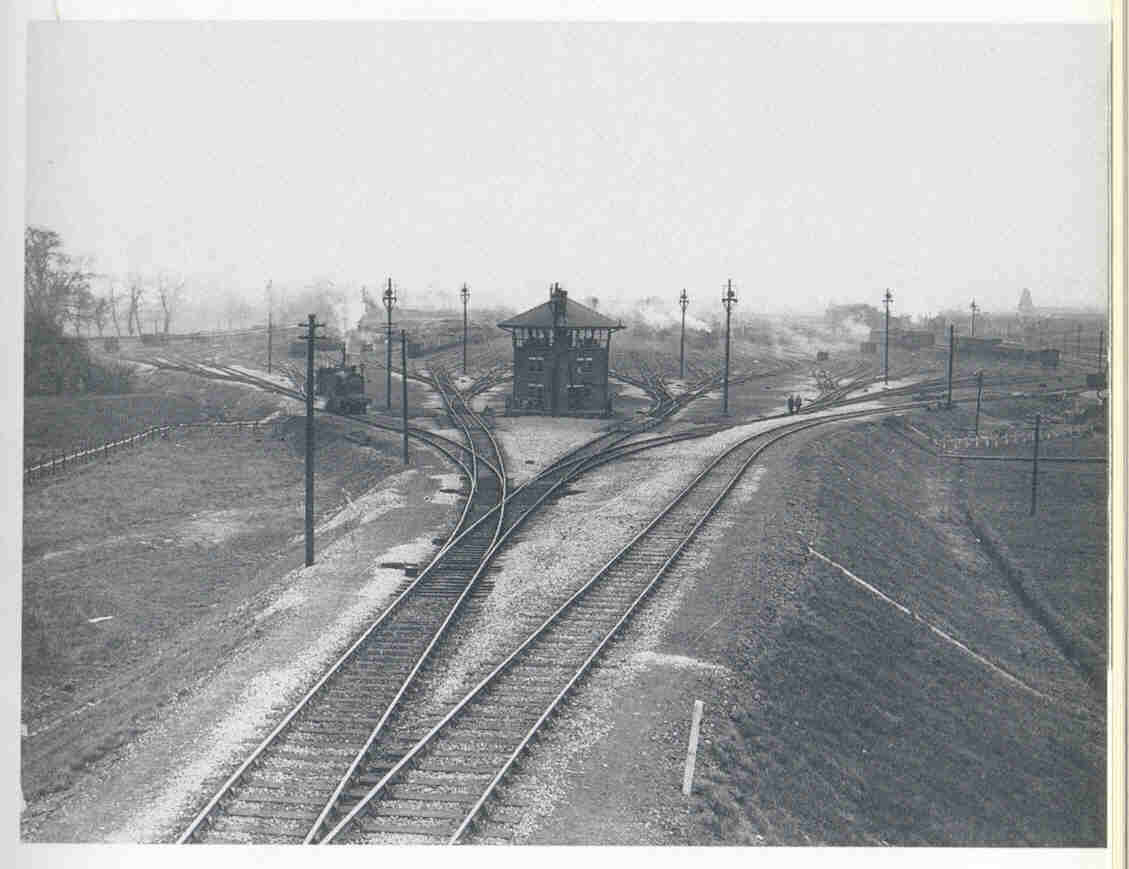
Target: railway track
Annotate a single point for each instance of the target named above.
(307, 768)
(304, 766)
(358, 748)
(458, 452)
(444, 785)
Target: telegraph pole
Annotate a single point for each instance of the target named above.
(311, 336)
(952, 351)
(683, 301)
(389, 299)
(979, 392)
(729, 299)
(1078, 343)
(886, 301)
(270, 324)
(465, 294)
(404, 387)
(1101, 352)
(1035, 470)
(974, 308)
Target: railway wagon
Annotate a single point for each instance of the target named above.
(1014, 352)
(297, 349)
(343, 389)
(914, 339)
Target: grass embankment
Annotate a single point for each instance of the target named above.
(856, 724)
(63, 423)
(172, 541)
(1057, 559)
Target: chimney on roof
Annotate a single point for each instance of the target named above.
(558, 298)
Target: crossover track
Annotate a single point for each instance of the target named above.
(441, 787)
(456, 451)
(290, 782)
(310, 766)
(356, 729)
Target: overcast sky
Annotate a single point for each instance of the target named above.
(809, 162)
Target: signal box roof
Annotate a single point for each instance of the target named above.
(576, 316)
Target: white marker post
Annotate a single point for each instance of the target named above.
(692, 751)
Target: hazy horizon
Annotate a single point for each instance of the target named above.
(812, 164)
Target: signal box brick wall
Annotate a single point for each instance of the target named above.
(561, 351)
(562, 379)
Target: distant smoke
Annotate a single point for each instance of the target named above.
(855, 328)
(347, 308)
(788, 338)
(654, 313)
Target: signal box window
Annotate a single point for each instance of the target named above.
(536, 364)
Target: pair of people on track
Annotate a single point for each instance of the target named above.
(795, 402)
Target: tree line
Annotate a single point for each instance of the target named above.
(58, 295)
(57, 287)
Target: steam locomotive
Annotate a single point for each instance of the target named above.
(343, 389)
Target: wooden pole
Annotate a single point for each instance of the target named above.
(683, 301)
(952, 351)
(692, 749)
(979, 392)
(312, 326)
(886, 349)
(404, 387)
(466, 298)
(1035, 470)
(725, 392)
(729, 300)
(388, 345)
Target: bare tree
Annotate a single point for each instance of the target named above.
(112, 301)
(169, 294)
(79, 309)
(56, 285)
(99, 312)
(136, 294)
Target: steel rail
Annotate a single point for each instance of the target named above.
(427, 739)
(451, 540)
(362, 753)
(214, 372)
(772, 437)
(456, 535)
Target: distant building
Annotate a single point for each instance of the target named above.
(560, 358)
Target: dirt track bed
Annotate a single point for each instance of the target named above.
(169, 541)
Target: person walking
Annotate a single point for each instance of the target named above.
(791, 405)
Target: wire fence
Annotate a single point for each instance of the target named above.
(60, 462)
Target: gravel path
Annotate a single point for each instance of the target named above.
(530, 443)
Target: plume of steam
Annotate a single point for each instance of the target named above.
(655, 313)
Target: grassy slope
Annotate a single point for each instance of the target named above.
(170, 540)
(856, 725)
(59, 423)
